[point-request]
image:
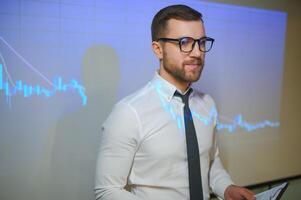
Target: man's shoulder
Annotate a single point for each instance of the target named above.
(127, 105)
(140, 96)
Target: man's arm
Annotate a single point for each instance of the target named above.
(219, 179)
(118, 144)
(221, 182)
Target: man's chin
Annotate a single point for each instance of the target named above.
(193, 77)
(194, 80)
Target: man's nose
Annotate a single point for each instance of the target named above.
(196, 51)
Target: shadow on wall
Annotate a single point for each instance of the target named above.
(71, 150)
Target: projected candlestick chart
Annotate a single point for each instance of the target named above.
(12, 88)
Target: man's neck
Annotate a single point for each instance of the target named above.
(183, 86)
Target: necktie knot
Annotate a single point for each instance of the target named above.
(184, 97)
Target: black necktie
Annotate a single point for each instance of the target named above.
(194, 169)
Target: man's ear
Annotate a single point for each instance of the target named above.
(157, 49)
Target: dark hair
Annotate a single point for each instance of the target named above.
(180, 12)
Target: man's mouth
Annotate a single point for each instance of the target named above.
(192, 66)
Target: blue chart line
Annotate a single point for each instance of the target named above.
(19, 88)
(1, 78)
(238, 122)
(233, 125)
(28, 90)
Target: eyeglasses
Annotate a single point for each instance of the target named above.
(187, 43)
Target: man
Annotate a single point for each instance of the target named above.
(160, 141)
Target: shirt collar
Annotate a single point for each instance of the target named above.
(165, 88)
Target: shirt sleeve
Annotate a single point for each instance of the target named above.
(219, 179)
(118, 144)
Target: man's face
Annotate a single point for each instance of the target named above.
(179, 66)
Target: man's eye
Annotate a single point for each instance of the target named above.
(202, 43)
(185, 41)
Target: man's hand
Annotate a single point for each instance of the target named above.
(234, 192)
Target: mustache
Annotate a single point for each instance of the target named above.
(193, 62)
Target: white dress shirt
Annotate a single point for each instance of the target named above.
(143, 145)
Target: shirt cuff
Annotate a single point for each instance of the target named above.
(221, 187)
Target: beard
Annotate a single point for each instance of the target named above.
(180, 72)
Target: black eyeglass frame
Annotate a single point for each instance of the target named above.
(202, 39)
